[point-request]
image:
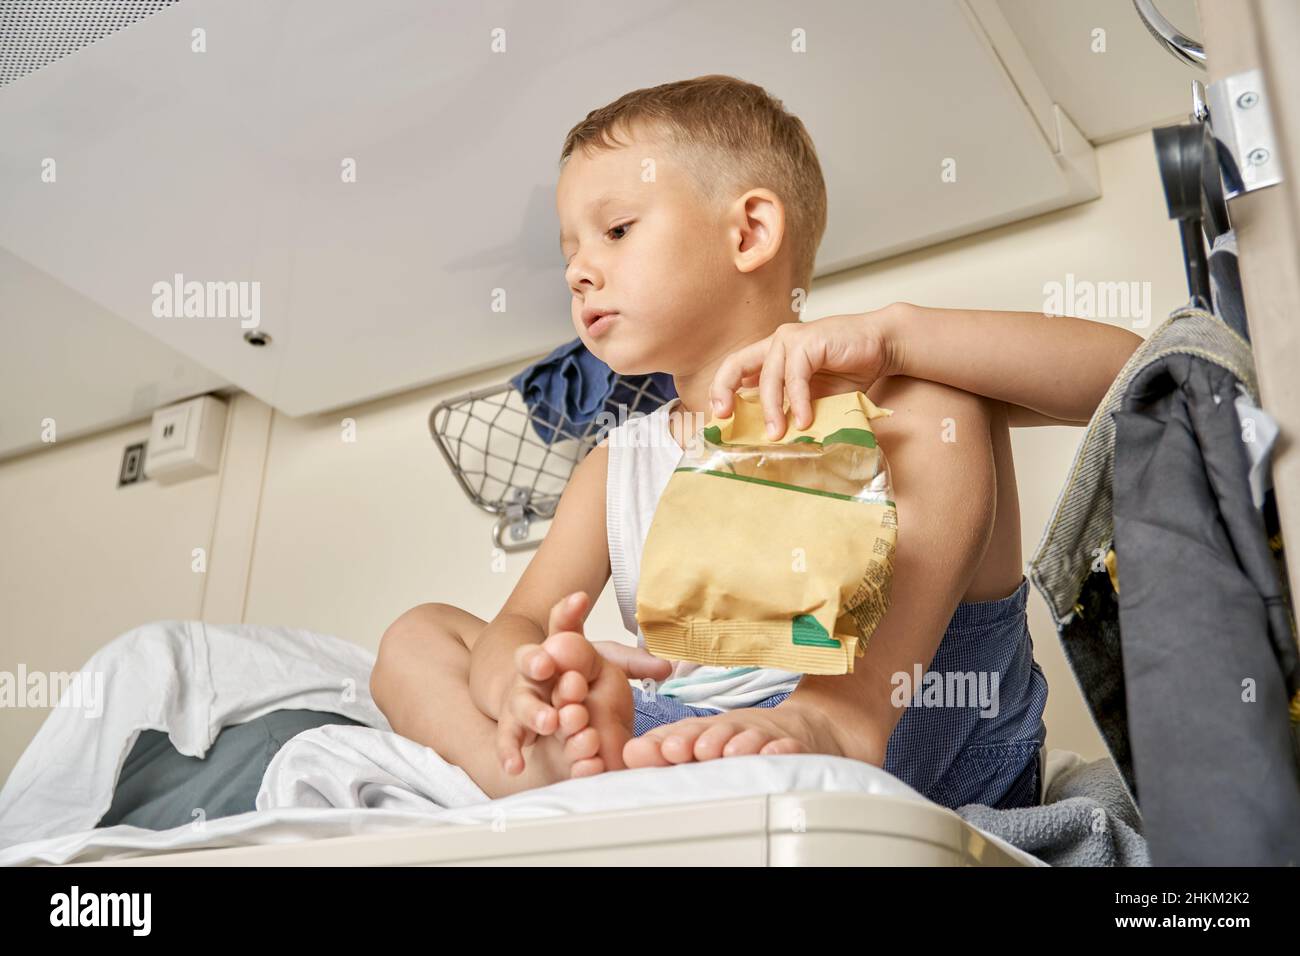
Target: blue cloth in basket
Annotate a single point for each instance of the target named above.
(567, 389)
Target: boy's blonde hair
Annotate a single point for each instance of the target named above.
(731, 136)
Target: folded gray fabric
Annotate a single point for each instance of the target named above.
(1086, 819)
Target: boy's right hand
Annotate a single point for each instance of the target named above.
(804, 361)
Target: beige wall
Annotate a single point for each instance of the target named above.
(309, 530)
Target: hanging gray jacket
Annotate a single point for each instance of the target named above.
(1161, 475)
(1210, 656)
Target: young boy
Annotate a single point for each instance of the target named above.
(691, 214)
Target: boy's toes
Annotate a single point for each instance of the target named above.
(574, 718)
(746, 742)
(679, 747)
(582, 745)
(644, 752)
(587, 768)
(570, 688)
(784, 745)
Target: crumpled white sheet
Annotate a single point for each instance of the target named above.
(185, 678)
(334, 780)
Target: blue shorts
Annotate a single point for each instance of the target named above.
(658, 709)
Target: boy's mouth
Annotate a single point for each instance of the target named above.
(590, 315)
(598, 320)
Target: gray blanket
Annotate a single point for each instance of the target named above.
(1086, 819)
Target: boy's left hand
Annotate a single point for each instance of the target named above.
(808, 360)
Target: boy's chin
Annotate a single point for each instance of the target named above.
(626, 365)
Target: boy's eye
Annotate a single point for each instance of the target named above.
(608, 232)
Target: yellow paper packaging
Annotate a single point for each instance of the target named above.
(772, 554)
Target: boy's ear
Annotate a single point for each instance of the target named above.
(758, 229)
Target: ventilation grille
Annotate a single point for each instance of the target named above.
(35, 33)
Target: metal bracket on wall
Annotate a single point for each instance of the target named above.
(1238, 110)
(518, 521)
(1243, 130)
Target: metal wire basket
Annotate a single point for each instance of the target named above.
(490, 440)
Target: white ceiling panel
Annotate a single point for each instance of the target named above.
(66, 361)
(224, 166)
(1122, 85)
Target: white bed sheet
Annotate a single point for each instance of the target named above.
(187, 679)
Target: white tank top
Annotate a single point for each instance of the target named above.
(642, 456)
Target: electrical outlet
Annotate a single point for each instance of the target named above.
(170, 429)
(185, 440)
(132, 465)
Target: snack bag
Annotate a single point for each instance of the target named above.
(772, 554)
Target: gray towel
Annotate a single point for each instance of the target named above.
(1087, 819)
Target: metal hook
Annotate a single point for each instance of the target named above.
(1170, 37)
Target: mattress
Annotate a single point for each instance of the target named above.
(794, 829)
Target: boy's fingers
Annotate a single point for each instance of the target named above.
(571, 688)
(568, 613)
(532, 662)
(636, 662)
(511, 739)
(534, 714)
(736, 369)
(798, 379)
(771, 390)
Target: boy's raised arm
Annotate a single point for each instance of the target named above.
(1049, 370)
(946, 495)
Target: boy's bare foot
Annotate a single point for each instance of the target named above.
(589, 715)
(784, 729)
(592, 701)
